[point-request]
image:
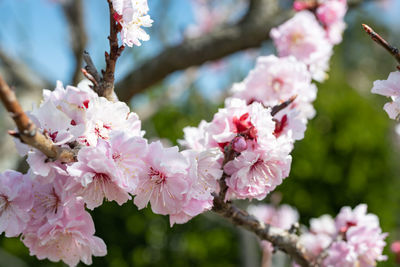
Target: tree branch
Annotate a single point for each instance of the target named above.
(225, 40)
(394, 51)
(27, 131)
(281, 239)
(73, 11)
(104, 86)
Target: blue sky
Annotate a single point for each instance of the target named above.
(36, 32)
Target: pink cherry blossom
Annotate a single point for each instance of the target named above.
(334, 32)
(274, 80)
(331, 11)
(290, 123)
(103, 116)
(69, 238)
(303, 38)
(331, 14)
(323, 225)
(315, 243)
(41, 169)
(127, 153)
(341, 254)
(254, 122)
(164, 181)
(368, 243)
(353, 239)
(50, 199)
(358, 216)
(15, 202)
(255, 173)
(203, 173)
(96, 177)
(321, 235)
(390, 88)
(132, 15)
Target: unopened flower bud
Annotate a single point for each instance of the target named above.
(239, 144)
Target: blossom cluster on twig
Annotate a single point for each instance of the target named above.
(242, 153)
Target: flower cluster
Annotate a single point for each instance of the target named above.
(261, 138)
(248, 142)
(131, 15)
(114, 162)
(261, 160)
(353, 238)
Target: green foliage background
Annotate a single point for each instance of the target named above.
(349, 156)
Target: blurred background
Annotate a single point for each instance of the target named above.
(349, 155)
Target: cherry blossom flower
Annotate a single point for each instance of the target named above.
(274, 80)
(303, 38)
(132, 15)
(368, 243)
(255, 173)
(69, 238)
(15, 202)
(358, 216)
(103, 116)
(73, 101)
(354, 238)
(331, 14)
(49, 199)
(204, 172)
(390, 88)
(127, 153)
(254, 122)
(164, 182)
(341, 254)
(331, 11)
(96, 177)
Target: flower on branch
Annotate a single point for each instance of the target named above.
(132, 15)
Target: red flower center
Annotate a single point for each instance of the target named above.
(280, 125)
(157, 176)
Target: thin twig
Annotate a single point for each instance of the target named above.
(104, 85)
(277, 108)
(107, 85)
(90, 70)
(394, 51)
(27, 131)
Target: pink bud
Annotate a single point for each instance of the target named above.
(239, 144)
